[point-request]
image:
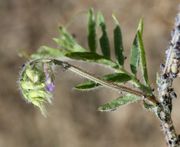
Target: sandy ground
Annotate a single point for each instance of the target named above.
(73, 119)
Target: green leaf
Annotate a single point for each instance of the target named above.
(104, 40)
(146, 89)
(88, 85)
(138, 54)
(45, 51)
(91, 30)
(135, 50)
(115, 77)
(91, 57)
(140, 26)
(134, 59)
(118, 43)
(114, 104)
(67, 41)
(143, 58)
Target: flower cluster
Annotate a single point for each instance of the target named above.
(37, 83)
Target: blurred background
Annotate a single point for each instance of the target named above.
(73, 119)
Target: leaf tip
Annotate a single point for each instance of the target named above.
(141, 26)
(115, 19)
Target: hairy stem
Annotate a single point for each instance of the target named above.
(166, 93)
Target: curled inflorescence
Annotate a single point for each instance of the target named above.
(37, 83)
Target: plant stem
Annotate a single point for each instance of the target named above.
(91, 77)
(165, 90)
(107, 84)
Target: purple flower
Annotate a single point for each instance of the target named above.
(49, 80)
(50, 87)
